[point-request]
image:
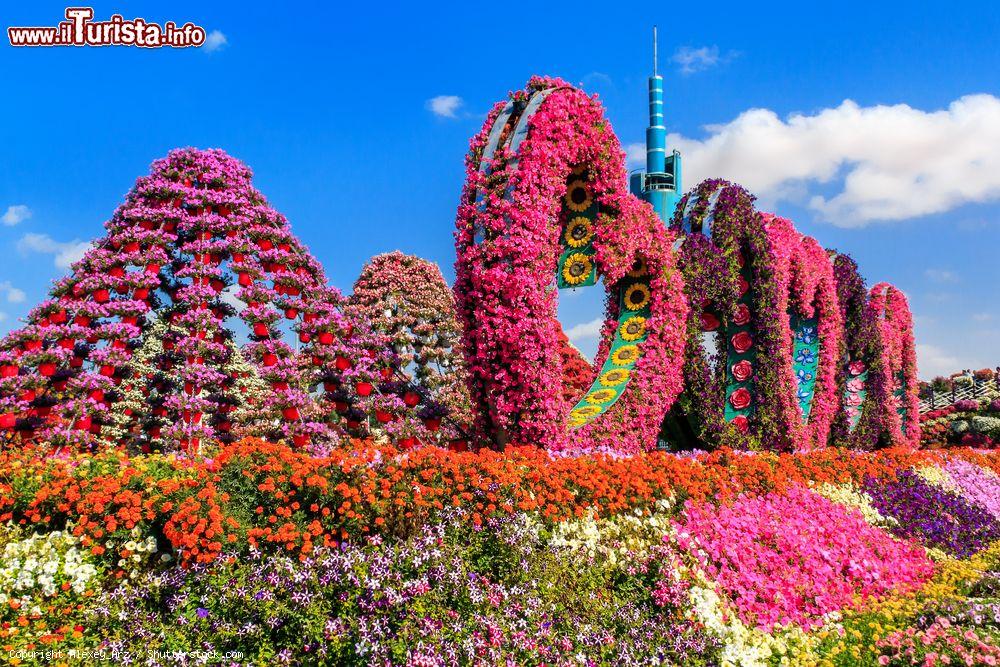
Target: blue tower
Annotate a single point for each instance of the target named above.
(660, 183)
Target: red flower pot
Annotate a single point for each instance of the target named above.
(386, 374)
(304, 337)
(458, 446)
(141, 294)
(407, 443)
(28, 396)
(310, 317)
(331, 386)
(116, 272)
(7, 421)
(58, 317)
(290, 414)
(60, 385)
(353, 423)
(47, 369)
(224, 211)
(107, 371)
(265, 244)
(97, 395)
(341, 406)
(76, 362)
(81, 320)
(300, 439)
(101, 296)
(742, 341)
(741, 398)
(244, 279)
(326, 338)
(291, 313)
(32, 345)
(83, 424)
(364, 388)
(432, 424)
(342, 363)
(8, 371)
(270, 359)
(132, 246)
(237, 257)
(152, 268)
(383, 417)
(260, 329)
(411, 398)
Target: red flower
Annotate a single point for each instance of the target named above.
(742, 341)
(709, 322)
(742, 315)
(856, 367)
(742, 370)
(741, 423)
(741, 398)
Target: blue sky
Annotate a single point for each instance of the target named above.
(330, 105)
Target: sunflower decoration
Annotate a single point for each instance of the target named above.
(614, 377)
(578, 197)
(637, 297)
(625, 355)
(600, 396)
(577, 268)
(585, 411)
(639, 268)
(578, 232)
(633, 328)
(580, 170)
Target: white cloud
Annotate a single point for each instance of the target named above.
(941, 275)
(693, 60)
(12, 294)
(214, 41)
(886, 162)
(445, 106)
(65, 252)
(933, 361)
(585, 330)
(982, 317)
(15, 214)
(635, 155)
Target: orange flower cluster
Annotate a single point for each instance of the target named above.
(270, 495)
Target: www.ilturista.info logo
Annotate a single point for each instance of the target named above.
(80, 30)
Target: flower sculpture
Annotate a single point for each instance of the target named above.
(891, 415)
(406, 299)
(764, 331)
(191, 240)
(545, 207)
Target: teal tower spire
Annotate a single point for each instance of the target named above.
(660, 183)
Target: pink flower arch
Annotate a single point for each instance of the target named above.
(545, 197)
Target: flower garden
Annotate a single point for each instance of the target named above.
(211, 456)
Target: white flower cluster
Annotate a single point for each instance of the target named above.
(623, 538)
(39, 565)
(850, 496)
(746, 646)
(138, 549)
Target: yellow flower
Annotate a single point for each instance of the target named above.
(639, 268)
(614, 377)
(577, 268)
(578, 197)
(625, 355)
(600, 396)
(578, 232)
(585, 411)
(637, 296)
(633, 328)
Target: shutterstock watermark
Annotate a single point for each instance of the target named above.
(79, 29)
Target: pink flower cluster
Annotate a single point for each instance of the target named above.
(508, 240)
(793, 557)
(805, 283)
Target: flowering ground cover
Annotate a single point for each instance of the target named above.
(264, 555)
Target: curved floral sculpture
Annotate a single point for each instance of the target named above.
(545, 205)
(764, 332)
(406, 299)
(877, 379)
(192, 238)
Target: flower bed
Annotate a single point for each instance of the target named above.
(372, 556)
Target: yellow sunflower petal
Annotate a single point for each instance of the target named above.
(625, 355)
(614, 377)
(639, 268)
(578, 197)
(577, 268)
(600, 396)
(585, 411)
(578, 232)
(637, 296)
(633, 328)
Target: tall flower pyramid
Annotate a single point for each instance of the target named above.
(248, 337)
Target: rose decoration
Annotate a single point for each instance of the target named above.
(742, 370)
(742, 341)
